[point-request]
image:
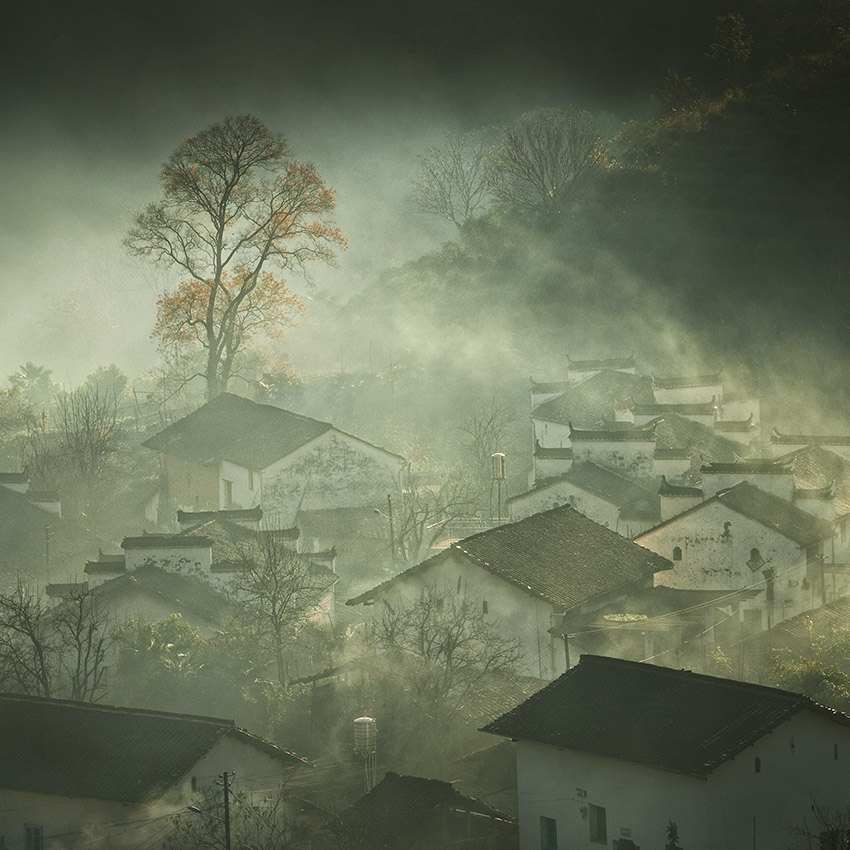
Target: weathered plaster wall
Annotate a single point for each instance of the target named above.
(333, 471)
(635, 460)
(518, 614)
(191, 486)
(565, 493)
(551, 435)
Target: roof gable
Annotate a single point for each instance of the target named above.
(559, 556)
(592, 402)
(674, 719)
(781, 516)
(238, 430)
(126, 755)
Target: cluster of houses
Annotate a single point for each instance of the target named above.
(661, 525)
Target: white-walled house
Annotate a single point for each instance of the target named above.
(530, 577)
(745, 537)
(614, 751)
(235, 453)
(83, 775)
(607, 497)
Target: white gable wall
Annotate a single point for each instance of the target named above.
(633, 459)
(551, 435)
(714, 557)
(518, 614)
(734, 808)
(565, 493)
(333, 471)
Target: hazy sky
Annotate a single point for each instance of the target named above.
(96, 95)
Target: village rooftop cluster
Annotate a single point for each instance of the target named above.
(667, 543)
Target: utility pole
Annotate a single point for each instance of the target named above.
(224, 781)
(392, 529)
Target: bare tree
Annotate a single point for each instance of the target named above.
(421, 514)
(29, 645)
(543, 157)
(453, 181)
(85, 629)
(257, 822)
(279, 591)
(824, 829)
(444, 646)
(54, 651)
(87, 429)
(488, 429)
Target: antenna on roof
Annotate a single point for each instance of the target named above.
(497, 460)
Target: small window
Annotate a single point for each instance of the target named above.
(484, 607)
(548, 834)
(758, 765)
(677, 553)
(34, 839)
(598, 824)
(756, 561)
(250, 479)
(228, 492)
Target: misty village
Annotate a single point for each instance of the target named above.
(425, 426)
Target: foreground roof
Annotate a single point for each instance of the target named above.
(671, 719)
(559, 556)
(779, 438)
(126, 755)
(238, 430)
(782, 516)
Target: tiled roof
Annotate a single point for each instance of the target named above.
(809, 439)
(675, 383)
(675, 432)
(246, 514)
(733, 426)
(238, 430)
(127, 755)
(157, 541)
(14, 477)
(557, 453)
(668, 489)
(593, 401)
(816, 467)
(609, 363)
(559, 556)
(750, 466)
(770, 511)
(606, 483)
(401, 808)
(655, 409)
(22, 529)
(183, 594)
(342, 523)
(619, 435)
(671, 719)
